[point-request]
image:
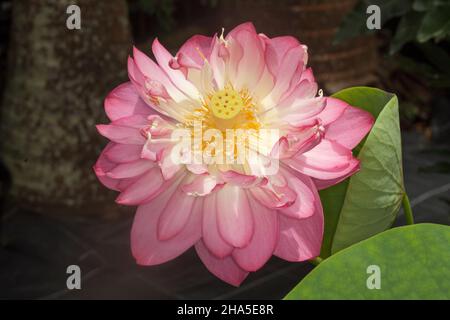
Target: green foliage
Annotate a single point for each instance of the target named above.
(419, 20)
(425, 24)
(355, 22)
(435, 23)
(368, 202)
(161, 10)
(413, 262)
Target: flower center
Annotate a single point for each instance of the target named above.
(226, 109)
(226, 104)
(226, 126)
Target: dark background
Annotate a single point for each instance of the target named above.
(54, 213)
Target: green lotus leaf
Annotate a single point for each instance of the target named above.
(368, 202)
(410, 262)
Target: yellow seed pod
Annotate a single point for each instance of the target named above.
(226, 104)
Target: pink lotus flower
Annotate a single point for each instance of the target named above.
(236, 216)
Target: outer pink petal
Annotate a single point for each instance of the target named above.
(233, 52)
(328, 160)
(307, 74)
(301, 240)
(304, 90)
(123, 153)
(176, 76)
(121, 134)
(225, 269)
(125, 183)
(150, 89)
(286, 71)
(240, 179)
(148, 68)
(333, 110)
(296, 78)
(145, 86)
(135, 75)
(217, 64)
(327, 155)
(251, 64)
(153, 148)
(146, 247)
(299, 141)
(264, 87)
(136, 121)
(193, 52)
(197, 168)
(264, 240)
(299, 113)
(234, 216)
(145, 187)
(304, 205)
(124, 101)
(276, 49)
(274, 196)
(246, 26)
(202, 185)
(160, 126)
(352, 169)
(175, 215)
(130, 169)
(103, 165)
(233, 55)
(351, 127)
(210, 231)
(168, 167)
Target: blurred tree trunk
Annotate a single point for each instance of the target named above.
(57, 80)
